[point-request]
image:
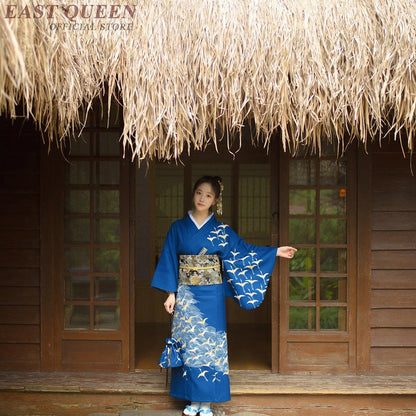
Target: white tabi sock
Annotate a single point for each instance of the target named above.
(205, 406)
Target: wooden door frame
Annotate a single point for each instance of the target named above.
(51, 251)
(364, 207)
(275, 281)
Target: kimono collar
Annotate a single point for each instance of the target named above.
(194, 221)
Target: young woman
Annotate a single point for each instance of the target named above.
(190, 271)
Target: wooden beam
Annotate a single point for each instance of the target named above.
(51, 174)
(363, 254)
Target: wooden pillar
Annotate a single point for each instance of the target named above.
(364, 199)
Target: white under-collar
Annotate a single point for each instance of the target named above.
(194, 220)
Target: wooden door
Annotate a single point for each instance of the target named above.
(317, 287)
(90, 255)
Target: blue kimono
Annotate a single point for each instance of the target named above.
(199, 323)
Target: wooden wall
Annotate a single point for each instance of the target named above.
(19, 247)
(393, 263)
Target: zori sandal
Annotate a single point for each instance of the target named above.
(205, 412)
(190, 411)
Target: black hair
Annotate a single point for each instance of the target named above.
(214, 181)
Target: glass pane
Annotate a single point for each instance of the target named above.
(107, 202)
(304, 261)
(302, 230)
(333, 172)
(108, 143)
(254, 203)
(333, 288)
(81, 146)
(302, 202)
(106, 260)
(333, 202)
(107, 230)
(108, 172)
(302, 172)
(107, 318)
(107, 288)
(333, 260)
(77, 202)
(77, 230)
(77, 288)
(76, 317)
(169, 199)
(334, 318)
(77, 173)
(302, 318)
(77, 259)
(333, 231)
(302, 288)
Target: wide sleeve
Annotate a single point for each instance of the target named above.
(166, 273)
(248, 269)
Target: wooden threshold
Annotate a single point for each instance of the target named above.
(242, 383)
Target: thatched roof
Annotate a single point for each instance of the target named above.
(190, 70)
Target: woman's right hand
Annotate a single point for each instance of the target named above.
(170, 303)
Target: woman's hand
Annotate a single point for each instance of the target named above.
(286, 252)
(170, 303)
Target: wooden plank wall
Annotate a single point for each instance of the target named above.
(393, 282)
(19, 247)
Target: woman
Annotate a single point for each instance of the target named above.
(189, 270)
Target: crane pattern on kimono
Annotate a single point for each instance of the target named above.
(244, 270)
(202, 347)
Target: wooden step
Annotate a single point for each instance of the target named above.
(242, 383)
(253, 392)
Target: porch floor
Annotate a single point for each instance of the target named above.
(254, 393)
(243, 382)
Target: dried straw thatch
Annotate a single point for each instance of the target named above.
(189, 70)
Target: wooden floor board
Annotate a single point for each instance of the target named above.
(242, 383)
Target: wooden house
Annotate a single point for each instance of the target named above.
(82, 226)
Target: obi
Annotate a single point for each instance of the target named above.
(199, 270)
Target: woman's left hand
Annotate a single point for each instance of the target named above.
(286, 252)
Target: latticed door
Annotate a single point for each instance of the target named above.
(317, 286)
(94, 308)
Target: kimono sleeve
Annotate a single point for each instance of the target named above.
(166, 273)
(248, 270)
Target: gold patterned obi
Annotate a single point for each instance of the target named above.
(199, 270)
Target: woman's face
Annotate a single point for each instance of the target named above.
(204, 198)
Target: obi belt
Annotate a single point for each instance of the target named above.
(199, 270)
